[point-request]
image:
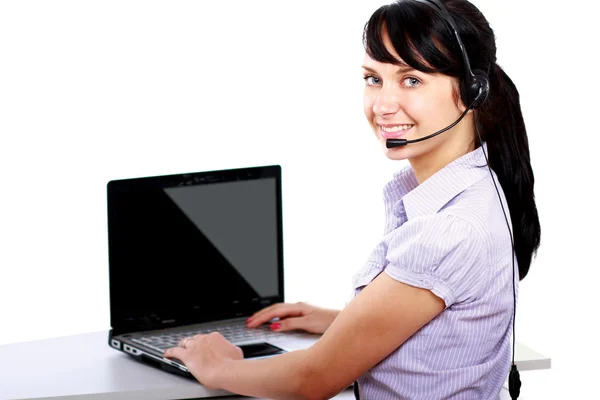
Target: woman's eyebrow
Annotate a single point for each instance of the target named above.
(402, 68)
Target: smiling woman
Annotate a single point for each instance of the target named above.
(445, 228)
(433, 306)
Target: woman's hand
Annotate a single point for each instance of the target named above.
(205, 356)
(299, 315)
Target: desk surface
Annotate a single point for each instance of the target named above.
(85, 367)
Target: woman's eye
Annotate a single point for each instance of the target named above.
(413, 82)
(410, 81)
(366, 78)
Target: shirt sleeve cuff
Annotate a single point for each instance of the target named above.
(437, 286)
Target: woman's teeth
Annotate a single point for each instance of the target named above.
(397, 128)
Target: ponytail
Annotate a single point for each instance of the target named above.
(503, 129)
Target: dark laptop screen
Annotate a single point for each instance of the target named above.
(194, 247)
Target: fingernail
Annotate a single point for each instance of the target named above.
(275, 326)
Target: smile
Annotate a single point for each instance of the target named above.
(395, 131)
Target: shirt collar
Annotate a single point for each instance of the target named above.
(436, 191)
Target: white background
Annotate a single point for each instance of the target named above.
(97, 90)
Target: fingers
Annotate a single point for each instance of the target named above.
(177, 352)
(185, 345)
(183, 342)
(291, 324)
(188, 342)
(276, 310)
(280, 310)
(264, 310)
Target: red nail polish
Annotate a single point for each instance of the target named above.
(275, 326)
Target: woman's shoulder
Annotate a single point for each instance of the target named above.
(479, 208)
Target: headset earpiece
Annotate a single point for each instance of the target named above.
(479, 83)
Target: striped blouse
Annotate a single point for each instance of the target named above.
(447, 235)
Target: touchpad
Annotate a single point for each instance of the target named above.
(260, 350)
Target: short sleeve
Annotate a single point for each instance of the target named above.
(442, 253)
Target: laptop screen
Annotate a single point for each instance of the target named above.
(194, 247)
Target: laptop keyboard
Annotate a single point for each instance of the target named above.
(234, 331)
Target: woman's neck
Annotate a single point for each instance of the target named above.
(426, 165)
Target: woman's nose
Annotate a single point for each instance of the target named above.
(387, 102)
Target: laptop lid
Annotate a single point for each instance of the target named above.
(194, 247)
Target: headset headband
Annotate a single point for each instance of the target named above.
(439, 7)
(476, 85)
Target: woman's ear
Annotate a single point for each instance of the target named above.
(460, 105)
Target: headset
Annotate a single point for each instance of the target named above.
(474, 90)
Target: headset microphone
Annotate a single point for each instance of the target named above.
(391, 143)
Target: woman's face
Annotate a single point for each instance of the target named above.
(397, 98)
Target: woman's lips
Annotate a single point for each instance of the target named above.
(393, 135)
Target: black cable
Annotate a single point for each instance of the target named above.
(514, 381)
(443, 130)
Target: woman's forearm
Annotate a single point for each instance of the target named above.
(283, 376)
(333, 315)
(279, 377)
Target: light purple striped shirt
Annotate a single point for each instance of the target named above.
(448, 235)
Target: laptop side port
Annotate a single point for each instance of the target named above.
(131, 350)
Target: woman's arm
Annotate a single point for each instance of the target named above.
(279, 377)
(375, 323)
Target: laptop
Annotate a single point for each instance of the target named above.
(195, 253)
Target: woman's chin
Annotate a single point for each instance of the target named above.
(395, 153)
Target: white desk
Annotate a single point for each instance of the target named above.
(85, 367)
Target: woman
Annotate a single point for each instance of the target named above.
(436, 323)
